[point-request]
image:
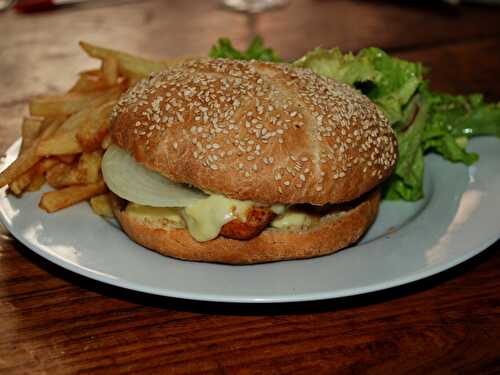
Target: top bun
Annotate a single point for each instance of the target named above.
(257, 131)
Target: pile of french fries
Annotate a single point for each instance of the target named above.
(65, 136)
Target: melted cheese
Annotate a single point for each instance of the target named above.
(293, 219)
(158, 216)
(278, 209)
(206, 217)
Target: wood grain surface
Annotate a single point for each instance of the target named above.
(55, 322)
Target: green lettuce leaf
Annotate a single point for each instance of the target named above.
(343, 67)
(446, 132)
(388, 81)
(407, 180)
(464, 116)
(255, 51)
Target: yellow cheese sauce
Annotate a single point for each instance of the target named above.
(294, 219)
(206, 217)
(161, 216)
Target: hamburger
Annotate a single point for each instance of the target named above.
(245, 162)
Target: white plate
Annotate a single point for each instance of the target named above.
(458, 219)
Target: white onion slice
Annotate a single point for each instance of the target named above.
(131, 181)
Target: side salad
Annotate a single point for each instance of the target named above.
(424, 120)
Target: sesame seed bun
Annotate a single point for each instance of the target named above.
(334, 232)
(257, 131)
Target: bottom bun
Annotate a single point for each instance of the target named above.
(333, 233)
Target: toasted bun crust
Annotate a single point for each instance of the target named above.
(257, 131)
(332, 234)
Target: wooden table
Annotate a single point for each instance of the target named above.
(56, 322)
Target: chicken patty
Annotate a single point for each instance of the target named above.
(258, 218)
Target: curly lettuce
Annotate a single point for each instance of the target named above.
(255, 51)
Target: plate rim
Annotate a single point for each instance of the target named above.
(230, 298)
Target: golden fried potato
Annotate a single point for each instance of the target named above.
(101, 205)
(59, 199)
(67, 159)
(30, 129)
(20, 184)
(110, 70)
(28, 159)
(106, 142)
(67, 104)
(60, 144)
(128, 65)
(61, 175)
(90, 81)
(36, 182)
(93, 132)
(89, 165)
(86, 171)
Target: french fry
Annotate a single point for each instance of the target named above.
(90, 166)
(60, 144)
(21, 165)
(110, 70)
(45, 164)
(28, 159)
(86, 171)
(59, 176)
(30, 129)
(47, 121)
(20, 184)
(91, 134)
(65, 142)
(90, 81)
(96, 73)
(106, 142)
(59, 199)
(128, 65)
(67, 159)
(76, 120)
(67, 104)
(101, 205)
(36, 182)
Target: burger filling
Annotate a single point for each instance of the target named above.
(218, 215)
(161, 203)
